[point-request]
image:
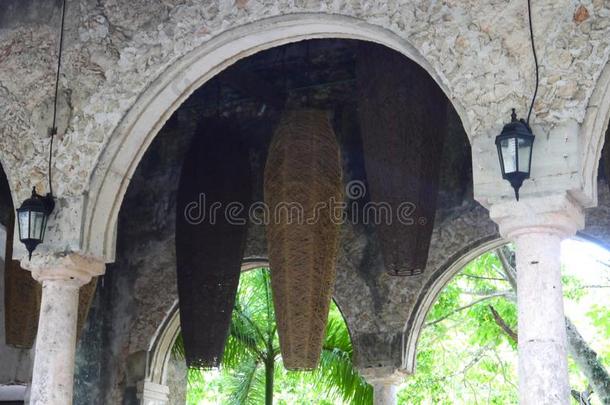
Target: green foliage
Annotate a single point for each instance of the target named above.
(600, 315)
(465, 357)
(465, 353)
(572, 287)
(253, 343)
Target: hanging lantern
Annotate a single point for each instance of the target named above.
(32, 219)
(515, 152)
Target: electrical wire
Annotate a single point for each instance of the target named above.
(529, 15)
(53, 126)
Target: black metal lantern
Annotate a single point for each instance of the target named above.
(32, 219)
(515, 152)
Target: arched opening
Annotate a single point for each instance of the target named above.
(468, 338)
(19, 306)
(166, 361)
(154, 108)
(139, 289)
(594, 135)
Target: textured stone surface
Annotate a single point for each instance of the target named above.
(479, 50)
(116, 49)
(543, 353)
(53, 373)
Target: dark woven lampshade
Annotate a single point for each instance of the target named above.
(22, 295)
(303, 167)
(403, 120)
(21, 298)
(209, 248)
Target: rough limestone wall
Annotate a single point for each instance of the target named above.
(116, 48)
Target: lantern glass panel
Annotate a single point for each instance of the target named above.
(509, 154)
(525, 151)
(37, 224)
(24, 225)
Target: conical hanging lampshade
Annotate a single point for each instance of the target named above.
(21, 298)
(403, 120)
(210, 244)
(303, 170)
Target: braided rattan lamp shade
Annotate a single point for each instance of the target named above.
(303, 167)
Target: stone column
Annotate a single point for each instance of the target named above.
(537, 226)
(61, 276)
(385, 382)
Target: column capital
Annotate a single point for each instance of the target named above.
(557, 214)
(385, 375)
(66, 266)
(150, 393)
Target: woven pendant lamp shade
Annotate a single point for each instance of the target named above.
(303, 167)
(21, 298)
(209, 249)
(403, 120)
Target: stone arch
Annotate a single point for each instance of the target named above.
(441, 278)
(118, 161)
(430, 292)
(592, 134)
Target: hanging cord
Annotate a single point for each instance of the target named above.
(53, 126)
(529, 15)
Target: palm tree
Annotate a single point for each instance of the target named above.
(252, 364)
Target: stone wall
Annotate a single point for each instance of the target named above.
(118, 50)
(115, 50)
(138, 291)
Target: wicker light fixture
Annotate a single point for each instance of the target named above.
(210, 244)
(403, 121)
(303, 169)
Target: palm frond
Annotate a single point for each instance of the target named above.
(178, 348)
(253, 338)
(338, 377)
(246, 383)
